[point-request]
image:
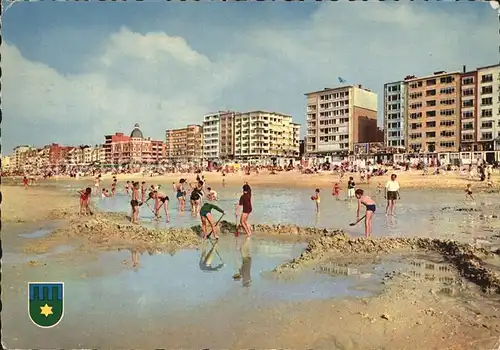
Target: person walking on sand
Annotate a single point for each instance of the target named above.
(370, 210)
(392, 194)
(246, 203)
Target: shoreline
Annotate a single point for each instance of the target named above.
(407, 179)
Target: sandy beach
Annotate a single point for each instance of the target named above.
(408, 313)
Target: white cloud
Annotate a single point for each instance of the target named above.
(161, 82)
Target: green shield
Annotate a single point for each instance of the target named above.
(46, 303)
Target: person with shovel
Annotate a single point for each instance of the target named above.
(207, 219)
(370, 210)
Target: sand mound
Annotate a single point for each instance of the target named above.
(113, 227)
(227, 227)
(467, 258)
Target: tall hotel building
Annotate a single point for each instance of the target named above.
(433, 112)
(337, 118)
(218, 135)
(265, 135)
(395, 100)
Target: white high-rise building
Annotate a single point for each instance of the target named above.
(211, 134)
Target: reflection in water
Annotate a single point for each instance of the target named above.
(205, 262)
(245, 271)
(339, 270)
(135, 258)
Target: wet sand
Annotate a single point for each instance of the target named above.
(408, 314)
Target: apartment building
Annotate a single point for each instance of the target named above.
(468, 112)
(211, 135)
(260, 135)
(185, 144)
(488, 102)
(337, 118)
(433, 112)
(395, 114)
(226, 135)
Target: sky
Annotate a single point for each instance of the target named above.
(75, 71)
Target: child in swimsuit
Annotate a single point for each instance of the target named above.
(127, 187)
(350, 188)
(336, 191)
(25, 183)
(159, 200)
(468, 192)
(370, 210)
(317, 199)
(113, 187)
(134, 203)
(84, 200)
(207, 219)
(143, 191)
(180, 194)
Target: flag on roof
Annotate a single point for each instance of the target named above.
(342, 81)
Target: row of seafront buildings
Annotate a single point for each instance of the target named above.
(450, 115)
(227, 135)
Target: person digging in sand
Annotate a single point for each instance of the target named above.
(370, 210)
(207, 219)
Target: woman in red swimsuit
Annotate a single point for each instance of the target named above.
(84, 200)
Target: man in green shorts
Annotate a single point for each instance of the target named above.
(206, 218)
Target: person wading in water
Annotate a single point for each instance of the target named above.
(246, 203)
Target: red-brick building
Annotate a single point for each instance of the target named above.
(135, 149)
(57, 153)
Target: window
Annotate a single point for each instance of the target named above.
(467, 137)
(487, 78)
(486, 135)
(486, 113)
(468, 92)
(447, 91)
(414, 126)
(447, 133)
(468, 81)
(488, 101)
(487, 125)
(447, 144)
(417, 135)
(487, 89)
(449, 101)
(468, 103)
(447, 80)
(430, 82)
(430, 113)
(430, 134)
(415, 95)
(415, 115)
(430, 103)
(416, 105)
(468, 126)
(430, 93)
(447, 123)
(447, 112)
(430, 124)
(467, 114)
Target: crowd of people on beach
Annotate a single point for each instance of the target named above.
(201, 198)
